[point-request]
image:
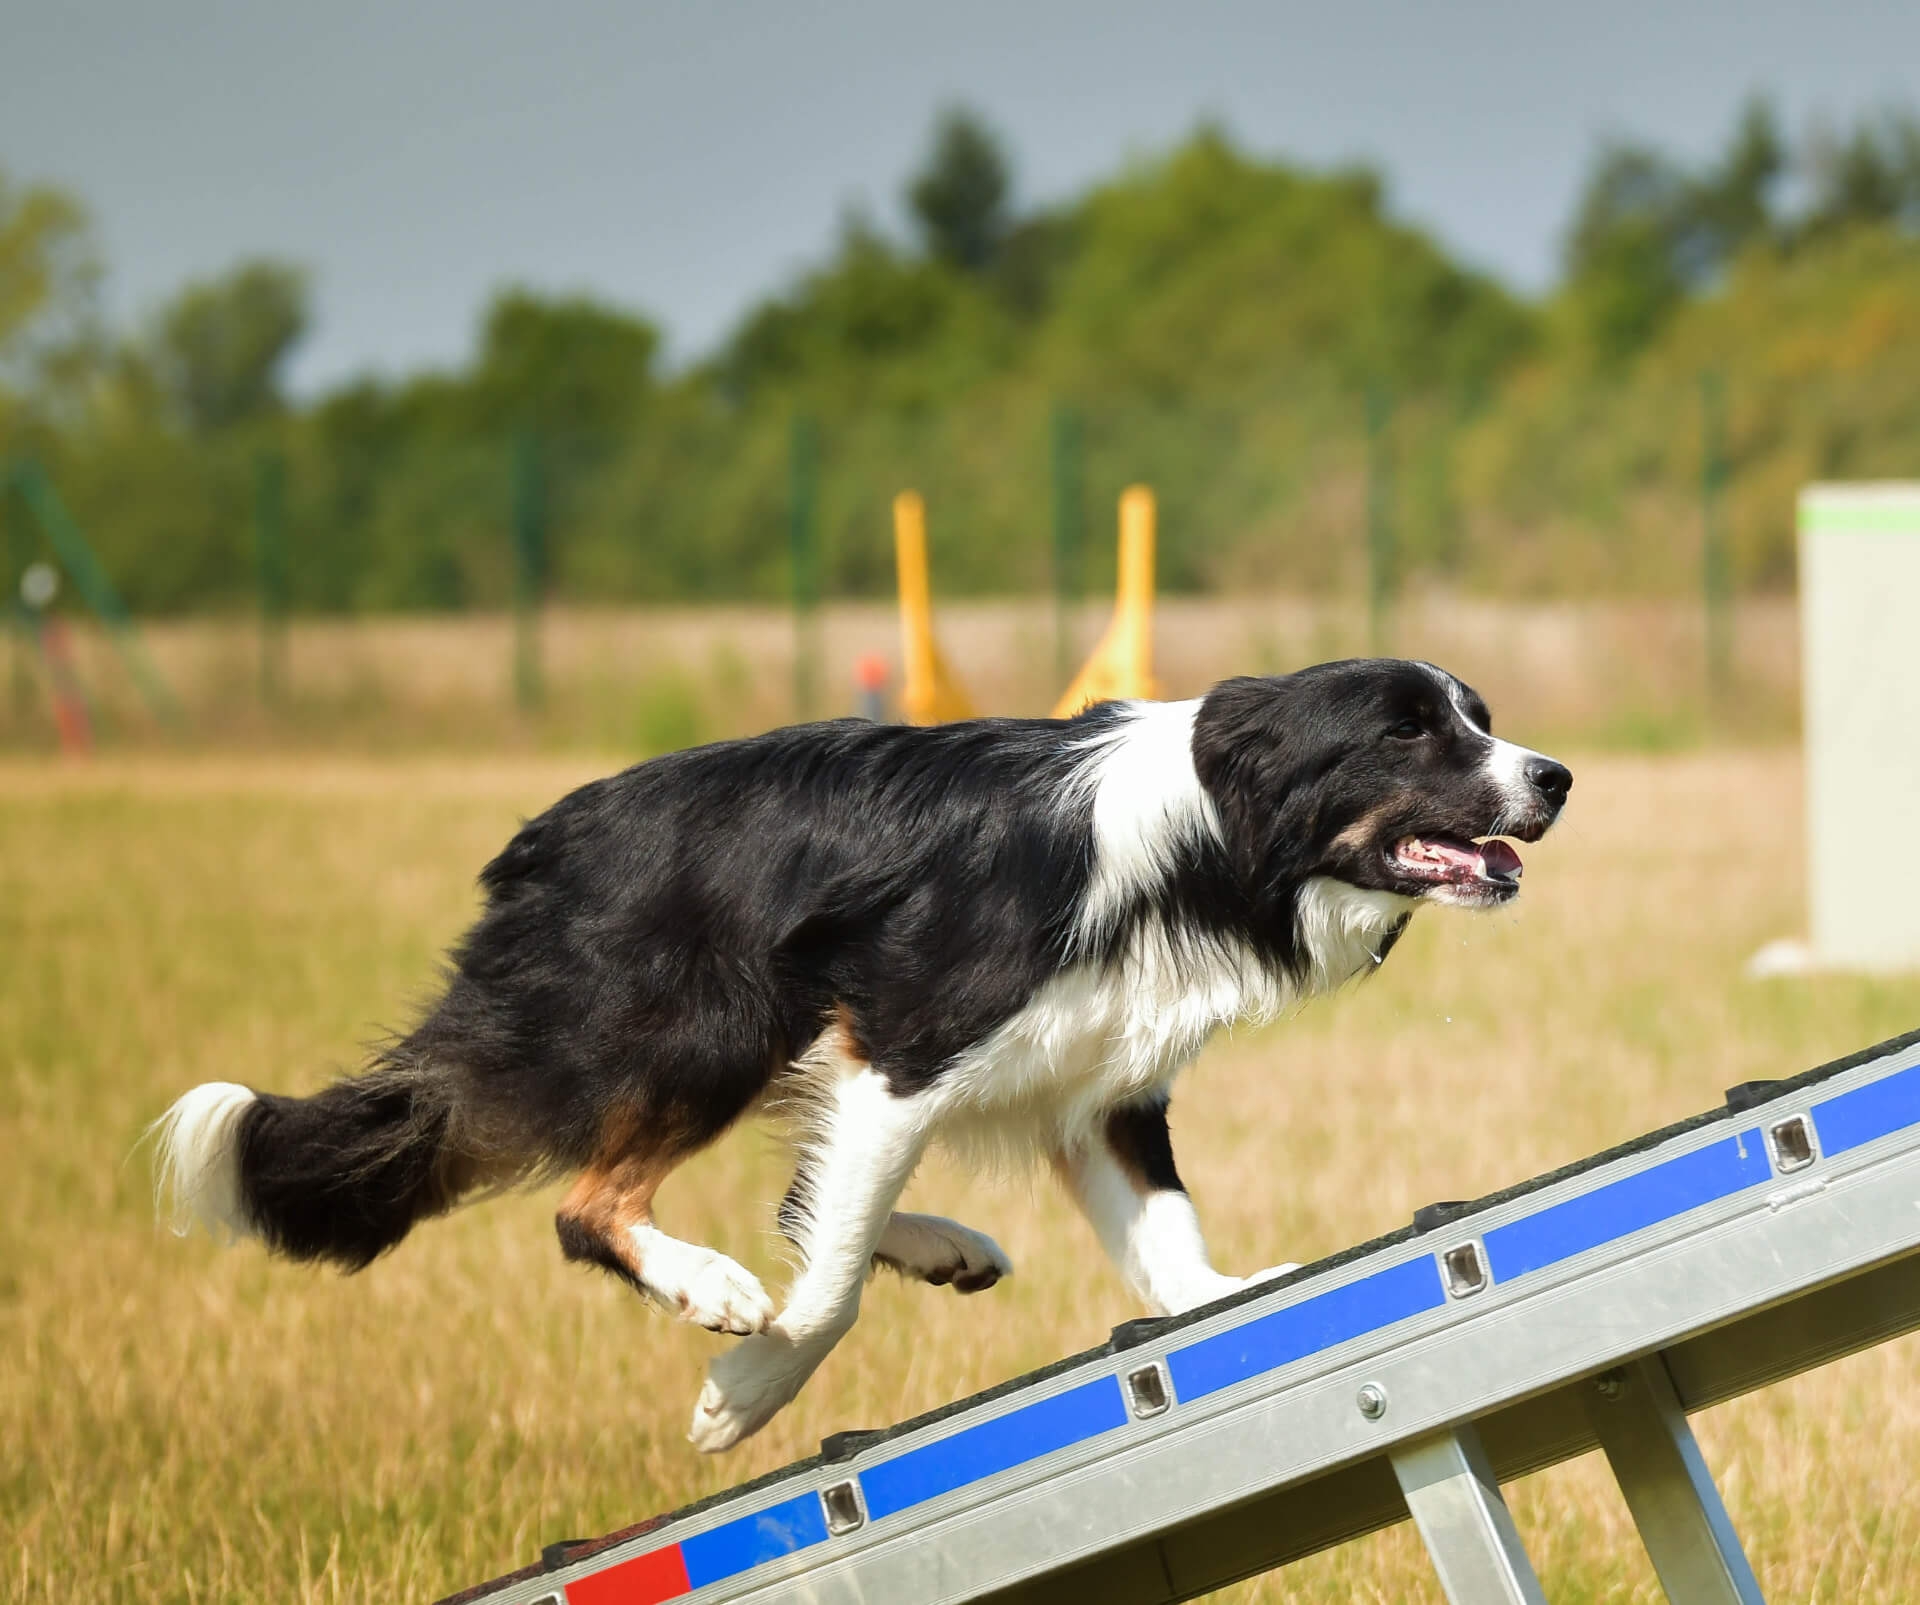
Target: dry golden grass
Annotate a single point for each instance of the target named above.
(1623, 674)
(185, 1423)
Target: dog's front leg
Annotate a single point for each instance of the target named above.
(1123, 1178)
(854, 1168)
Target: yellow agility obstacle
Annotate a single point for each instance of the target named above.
(1122, 664)
(929, 694)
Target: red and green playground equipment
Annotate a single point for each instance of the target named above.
(33, 580)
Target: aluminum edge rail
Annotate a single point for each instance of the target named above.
(1745, 1246)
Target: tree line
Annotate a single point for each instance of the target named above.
(1269, 345)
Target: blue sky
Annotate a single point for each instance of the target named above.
(688, 158)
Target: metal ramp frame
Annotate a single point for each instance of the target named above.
(1594, 1306)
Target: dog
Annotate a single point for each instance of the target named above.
(1002, 934)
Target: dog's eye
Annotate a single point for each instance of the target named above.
(1408, 730)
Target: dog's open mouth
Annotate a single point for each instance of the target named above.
(1487, 869)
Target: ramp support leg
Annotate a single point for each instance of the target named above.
(1637, 1416)
(1455, 1501)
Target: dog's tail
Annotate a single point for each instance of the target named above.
(340, 1176)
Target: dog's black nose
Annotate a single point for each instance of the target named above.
(1552, 780)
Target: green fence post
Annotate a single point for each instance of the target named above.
(1069, 534)
(90, 578)
(1380, 542)
(1716, 569)
(18, 556)
(803, 537)
(529, 568)
(270, 559)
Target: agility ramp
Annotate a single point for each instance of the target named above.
(1593, 1306)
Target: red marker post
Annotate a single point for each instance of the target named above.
(53, 642)
(870, 676)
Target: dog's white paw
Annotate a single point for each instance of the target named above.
(942, 1253)
(746, 1388)
(1207, 1287)
(713, 1291)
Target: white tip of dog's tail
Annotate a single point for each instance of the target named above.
(197, 1162)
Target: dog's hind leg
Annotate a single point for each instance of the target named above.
(606, 1219)
(868, 1141)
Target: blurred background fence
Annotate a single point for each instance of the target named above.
(1609, 490)
(1368, 508)
(1300, 523)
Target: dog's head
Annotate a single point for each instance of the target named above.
(1380, 773)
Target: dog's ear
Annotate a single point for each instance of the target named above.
(1258, 749)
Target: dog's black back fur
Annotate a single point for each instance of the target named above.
(677, 933)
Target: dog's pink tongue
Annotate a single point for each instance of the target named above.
(1497, 858)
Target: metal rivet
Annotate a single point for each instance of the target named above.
(1147, 1391)
(1610, 1384)
(1372, 1400)
(1466, 1270)
(1792, 1144)
(845, 1509)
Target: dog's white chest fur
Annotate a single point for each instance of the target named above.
(1104, 1032)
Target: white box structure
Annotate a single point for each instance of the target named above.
(1860, 688)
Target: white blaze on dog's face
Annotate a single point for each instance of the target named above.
(1381, 774)
(1529, 789)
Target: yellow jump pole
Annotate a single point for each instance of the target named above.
(928, 692)
(1122, 664)
(916, 607)
(1133, 612)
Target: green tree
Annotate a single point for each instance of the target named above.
(564, 366)
(875, 323)
(1625, 276)
(1736, 203)
(221, 344)
(1033, 260)
(49, 280)
(1209, 275)
(1647, 234)
(961, 196)
(1871, 175)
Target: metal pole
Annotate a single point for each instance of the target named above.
(529, 513)
(1380, 542)
(803, 491)
(1455, 1501)
(1716, 566)
(16, 609)
(1689, 1537)
(90, 579)
(1069, 534)
(270, 557)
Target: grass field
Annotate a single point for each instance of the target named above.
(1622, 674)
(179, 1422)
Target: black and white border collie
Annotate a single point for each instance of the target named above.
(1004, 934)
